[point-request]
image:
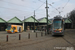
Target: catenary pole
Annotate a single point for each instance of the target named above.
(47, 14)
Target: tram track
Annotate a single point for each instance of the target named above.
(31, 42)
(69, 36)
(68, 41)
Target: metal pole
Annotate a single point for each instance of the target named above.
(36, 34)
(19, 36)
(45, 31)
(29, 36)
(34, 20)
(38, 26)
(47, 14)
(24, 24)
(7, 38)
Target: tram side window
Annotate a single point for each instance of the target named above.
(14, 28)
(9, 27)
(62, 24)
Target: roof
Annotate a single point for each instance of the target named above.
(40, 19)
(30, 19)
(2, 20)
(64, 19)
(44, 20)
(14, 20)
(68, 20)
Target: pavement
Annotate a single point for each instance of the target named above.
(45, 42)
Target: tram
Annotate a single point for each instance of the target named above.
(14, 28)
(58, 25)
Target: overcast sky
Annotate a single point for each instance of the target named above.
(21, 8)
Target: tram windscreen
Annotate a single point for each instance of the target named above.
(9, 27)
(57, 24)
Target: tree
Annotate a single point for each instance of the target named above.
(72, 17)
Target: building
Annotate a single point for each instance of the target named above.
(15, 20)
(68, 23)
(3, 24)
(28, 23)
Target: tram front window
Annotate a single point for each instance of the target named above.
(57, 24)
(9, 27)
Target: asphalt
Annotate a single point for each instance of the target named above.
(45, 42)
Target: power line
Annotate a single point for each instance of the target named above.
(45, 3)
(39, 7)
(13, 9)
(39, 13)
(42, 1)
(13, 3)
(20, 5)
(33, 15)
(53, 7)
(65, 4)
(29, 14)
(35, 9)
(20, 10)
(56, 8)
(16, 10)
(50, 5)
(63, 7)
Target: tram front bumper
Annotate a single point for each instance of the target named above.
(9, 31)
(57, 33)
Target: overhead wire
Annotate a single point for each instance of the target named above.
(63, 7)
(21, 10)
(36, 9)
(13, 3)
(48, 4)
(13, 9)
(20, 5)
(56, 8)
(39, 7)
(65, 4)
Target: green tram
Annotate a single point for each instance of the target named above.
(58, 25)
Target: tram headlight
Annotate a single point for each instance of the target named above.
(59, 31)
(55, 31)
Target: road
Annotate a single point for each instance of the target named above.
(47, 42)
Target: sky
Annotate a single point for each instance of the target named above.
(25, 8)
